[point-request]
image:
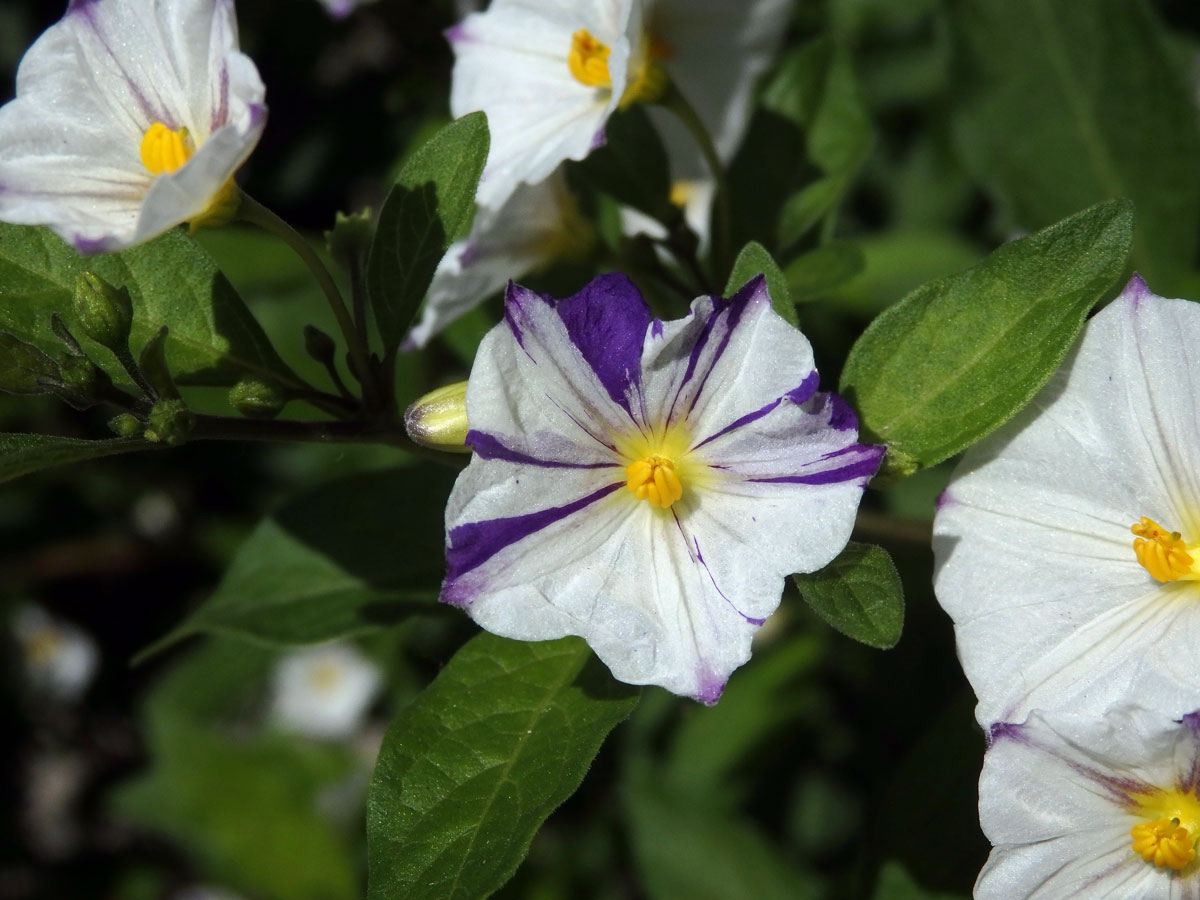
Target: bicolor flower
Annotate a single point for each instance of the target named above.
(647, 485)
(1068, 544)
(60, 660)
(537, 225)
(324, 691)
(131, 117)
(1083, 808)
(549, 73)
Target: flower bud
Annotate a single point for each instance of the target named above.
(350, 238)
(439, 419)
(153, 365)
(105, 313)
(257, 399)
(319, 345)
(24, 369)
(170, 422)
(125, 425)
(79, 382)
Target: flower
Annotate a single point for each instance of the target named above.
(1065, 543)
(537, 225)
(131, 117)
(1080, 807)
(60, 660)
(324, 691)
(549, 73)
(647, 485)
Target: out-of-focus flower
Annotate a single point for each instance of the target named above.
(537, 225)
(1068, 544)
(1081, 808)
(339, 9)
(646, 484)
(131, 116)
(59, 659)
(694, 197)
(324, 691)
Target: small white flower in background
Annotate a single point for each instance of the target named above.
(1067, 544)
(694, 197)
(59, 659)
(131, 117)
(537, 225)
(324, 691)
(549, 73)
(647, 485)
(1083, 808)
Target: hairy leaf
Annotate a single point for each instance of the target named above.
(859, 594)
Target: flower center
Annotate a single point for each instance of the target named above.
(1163, 553)
(43, 647)
(653, 479)
(165, 151)
(588, 62)
(1163, 842)
(324, 677)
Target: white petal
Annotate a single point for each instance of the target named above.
(1084, 865)
(1035, 561)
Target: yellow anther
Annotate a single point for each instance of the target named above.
(653, 479)
(588, 60)
(1162, 553)
(165, 151)
(43, 646)
(681, 193)
(1163, 842)
(325, 676)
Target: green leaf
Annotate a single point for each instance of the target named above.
(859, 594)
(632, 165)
(686, 849)
(173, 282)
(468, 773)
(1077, 102)
(961, 355)
(819, 271)
(346, 558)
(24, 369)
(755, 260)
(21, 454)
(429, 208)
(808, 206)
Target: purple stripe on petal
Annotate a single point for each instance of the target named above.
(607, 322)
(656, 328)
(864, 467)
(841, 416)
(473, 544)
(711, 689)
(598, 140)
(1136, 291)
(89, 246)
(457, 33)
(755, 290)
(488, 446)
(942, 500)
(79, 5)
(807, 388)
(1005, 731)
(221, 111)
(1190, 783)
(744, 420)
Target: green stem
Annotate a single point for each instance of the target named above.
(255, 213)
(684, 111)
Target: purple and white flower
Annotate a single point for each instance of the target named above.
(549, 73)
(1083, 808)
(647, 485)
(1066, 544)
(131, 117)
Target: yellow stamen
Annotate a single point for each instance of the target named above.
(1162, 553)
(681, 193)
(324, 676)
(588, 60)
(165, 151)
(654, 480)
(42, 647)
(1163, 842)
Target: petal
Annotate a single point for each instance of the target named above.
(1087, 864)
(1034, 527)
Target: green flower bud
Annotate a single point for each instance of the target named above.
(153, 365)
(319, 345)
(257, 399)
(350, 238)
(170, 422)
(439, 419)
(125, 425)
(24, 369)
(105, 313)
(80, 382)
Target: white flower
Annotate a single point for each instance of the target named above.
(131, 117)
(324, 691)
(60, 660)
(1054, 606)
(694, 197)
(538, 224)
(549, 73)
(646, 484)
(1084, 809)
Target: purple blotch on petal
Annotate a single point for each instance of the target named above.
(841, 415)
(598, 140)
(807, 388)
(710, 690)
(457, 33)
(471, 545)
(1136, 291)
(942, 500)
(656, 326)
(488, 446)
(89, 246)
(1005, 730)
(79, 5)
(863, 467)
(607, 322)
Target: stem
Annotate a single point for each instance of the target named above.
(229, 428)
(255, 213)
(678, 104)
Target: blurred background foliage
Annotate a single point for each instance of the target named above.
(828, 769)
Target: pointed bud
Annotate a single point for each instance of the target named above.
(257, 399)
(80, 383)
(64, 335)
(439, 419)
(104, 313)
(125, 425)
(170, 422)
(319, 345)
(24, 369)
(350, 238)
